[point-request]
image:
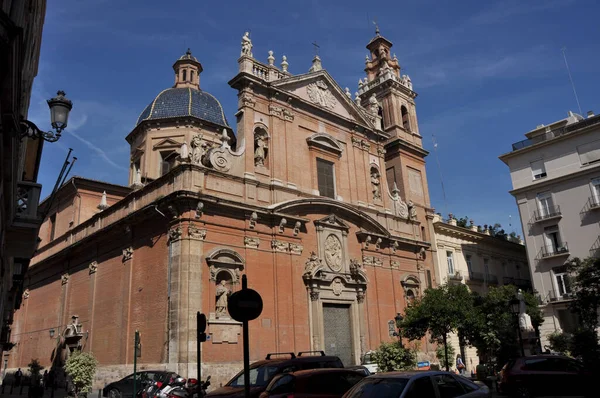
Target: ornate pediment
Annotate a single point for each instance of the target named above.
(325, 142)
(332, 221)
(319, 89)
(167, 143)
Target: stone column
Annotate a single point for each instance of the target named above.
(362, 321)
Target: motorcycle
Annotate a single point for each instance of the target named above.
(194, 387)
(175, 389)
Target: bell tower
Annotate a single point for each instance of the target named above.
(187, 71)
(405, 156)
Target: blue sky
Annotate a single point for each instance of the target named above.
(486, 72)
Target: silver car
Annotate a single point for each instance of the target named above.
(417, 384)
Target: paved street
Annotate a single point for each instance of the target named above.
(17, 392)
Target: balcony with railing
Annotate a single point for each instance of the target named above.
(549, 135)
(594, 202)
(550, 251)
(548, 213)
(27, 200)
(478, 277)
(595, 249)
(524, 284)
(555, 297)
(492, 279)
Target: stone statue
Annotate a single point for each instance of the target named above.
(246, 45)
(412, 210)
(222, 294)
(197, 150)
(312, 263)
(400, 208)
(373, 105)
(524, 318)
(259, 150)
(375, 184)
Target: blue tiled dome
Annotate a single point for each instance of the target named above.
(185, 101)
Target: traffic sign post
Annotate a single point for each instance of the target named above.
(136, 354)
(200, 338)
(245, 305)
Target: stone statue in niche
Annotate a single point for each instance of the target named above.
(246, 45)
(375, 184)
(260, 150)
(223, 293)
(312, 263)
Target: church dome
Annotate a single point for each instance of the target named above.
(185, 101)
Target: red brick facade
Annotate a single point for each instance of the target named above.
(156, 255)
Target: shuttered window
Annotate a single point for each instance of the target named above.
(325, 177)
(538, 170)
(589, 153)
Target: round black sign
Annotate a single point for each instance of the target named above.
(245, 305)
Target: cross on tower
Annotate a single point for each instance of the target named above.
(376, 26)
(316, 48)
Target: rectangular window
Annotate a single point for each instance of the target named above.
(429, 282)
(52, 226)
(326, 178)
(415, 182)
(538, 170)
(552, 240)
(596, 191)
(192, 76)
(486, 268)
(545, 204)
(469, 261)
(184, 75)
(563, 284)
(450, 259)
(589, 153)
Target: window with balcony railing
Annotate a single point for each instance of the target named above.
(555, 250)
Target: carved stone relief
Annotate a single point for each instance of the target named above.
(337, 286)
(247, 100)
(400, 208)
(282, 113)
(220, 159)
(333, 253)
(127, 253)
(196, 233)
(312, 264)
(252, 242)
(93, 267)
(296, 248)
(371, 260)
(314, 295)
(279, 246)
(319, 94)
(175, 233)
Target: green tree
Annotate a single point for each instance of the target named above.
(81, 368)
(440, 354)
(463, 222)
(443, 310)
(393, 356)
(585, 285)
(496, 331)
(560, 342)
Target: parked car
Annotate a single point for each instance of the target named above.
(323, 383)
(545, 375)
(417, 384)
(368, 362)
(124, 387)
(360, 369)
(262, 372)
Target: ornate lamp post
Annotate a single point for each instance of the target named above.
(398, 318)
(60, 106)
(514, 306)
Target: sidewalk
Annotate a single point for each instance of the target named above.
(17, 392)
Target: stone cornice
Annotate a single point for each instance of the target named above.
(592, 169)
(441, 227)
(412, 148)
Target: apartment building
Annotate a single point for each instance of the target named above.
(555, 174)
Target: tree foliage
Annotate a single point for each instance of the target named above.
(560, 342)
(81, 368)
(440, 354)
(585, 286)
(443, 310)
(392, 356)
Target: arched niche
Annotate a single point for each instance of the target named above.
(405, 118)
(222, 262)
(261, 145)
(411, 286)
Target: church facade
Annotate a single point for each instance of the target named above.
(320, 199)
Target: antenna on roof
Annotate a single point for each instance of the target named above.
(440, 171)
(571, 79)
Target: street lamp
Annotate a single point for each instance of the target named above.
(398, 318)
(60, 106)
(515, 305)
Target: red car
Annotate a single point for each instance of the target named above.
(545, 375)
(321, 383)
